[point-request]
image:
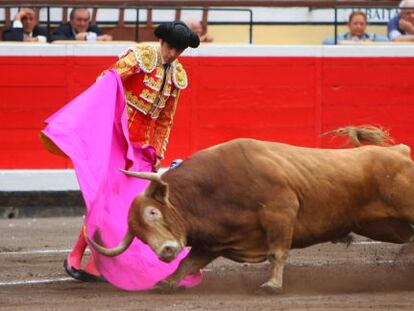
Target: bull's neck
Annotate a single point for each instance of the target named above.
(179, 221)
(191, 224)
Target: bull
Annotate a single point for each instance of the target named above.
(251, 201)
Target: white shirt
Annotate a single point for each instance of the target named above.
(18, 24)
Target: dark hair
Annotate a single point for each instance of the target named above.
(73, 12)
(178, 35)
(356, 13)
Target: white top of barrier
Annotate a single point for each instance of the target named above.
(215, 50)
(38, 180)
(41, 180)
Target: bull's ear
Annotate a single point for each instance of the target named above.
(158, 191)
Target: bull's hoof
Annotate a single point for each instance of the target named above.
(165, 287)
(269, 289)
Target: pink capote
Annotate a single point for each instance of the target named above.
(92, 130)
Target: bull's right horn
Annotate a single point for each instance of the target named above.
(143, 175)
(111, 252)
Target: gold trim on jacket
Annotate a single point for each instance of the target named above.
(142, 74)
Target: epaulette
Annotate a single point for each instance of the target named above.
(179, 76)
(146, 56)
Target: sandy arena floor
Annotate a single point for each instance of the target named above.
(367, 275)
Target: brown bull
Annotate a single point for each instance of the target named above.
(250, 200)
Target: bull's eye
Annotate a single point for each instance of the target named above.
(152, 214)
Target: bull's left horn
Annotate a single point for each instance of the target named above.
(125, 243)
(143, 175)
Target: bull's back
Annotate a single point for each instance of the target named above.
(248, 165)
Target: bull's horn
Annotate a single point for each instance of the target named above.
(125, 243)
(143, 175)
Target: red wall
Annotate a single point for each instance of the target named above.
(287, 99)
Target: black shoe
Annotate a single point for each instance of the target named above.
(81, 275)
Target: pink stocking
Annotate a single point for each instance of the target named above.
(91, 267)
(75, 256)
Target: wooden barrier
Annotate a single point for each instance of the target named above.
(283, 93)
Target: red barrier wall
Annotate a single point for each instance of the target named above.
(286, 99)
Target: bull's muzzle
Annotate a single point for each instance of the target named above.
(169, 250)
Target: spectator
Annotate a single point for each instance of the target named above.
(25, 28)
(198, 28)
(79, 28)
(357, 25)
(401, 27)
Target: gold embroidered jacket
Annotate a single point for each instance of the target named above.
(142, 73)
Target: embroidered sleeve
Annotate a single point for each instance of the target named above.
(140, 57)
(126, 65)
(164, 124)
(146, 56)
(179, 76)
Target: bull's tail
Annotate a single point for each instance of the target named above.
(364, 134)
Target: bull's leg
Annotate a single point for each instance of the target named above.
(399, 194)
(278, 223)
(279, 240)
(191, 264)
(275, 283)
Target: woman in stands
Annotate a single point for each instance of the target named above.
(357, 25)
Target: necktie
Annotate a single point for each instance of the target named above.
(164, 78)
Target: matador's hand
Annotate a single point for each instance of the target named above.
(157, 164)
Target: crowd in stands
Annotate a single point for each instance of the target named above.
(399, 28)
(25, 28)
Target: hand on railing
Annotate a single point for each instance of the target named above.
(104, 38)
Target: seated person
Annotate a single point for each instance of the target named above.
(25, 28)
(357, 25)
(198, 28)
(79, 28)
(401, 27)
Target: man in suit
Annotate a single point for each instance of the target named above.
(25, 28)
(79, 28)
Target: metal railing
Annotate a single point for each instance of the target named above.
(215, 3)
(136, 23)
